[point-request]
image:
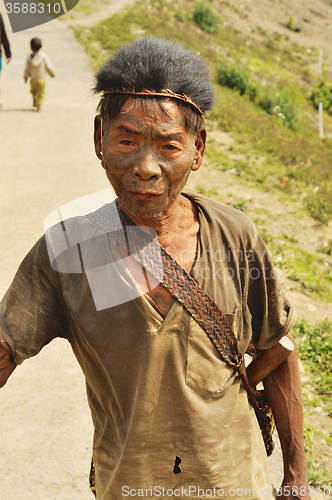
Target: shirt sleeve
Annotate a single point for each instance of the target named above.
(32, 312)
(272, 314)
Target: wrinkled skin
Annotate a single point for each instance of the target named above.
(148, 158)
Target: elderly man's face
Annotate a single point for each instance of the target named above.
(148, 156)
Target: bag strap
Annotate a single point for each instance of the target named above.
(147, 251)
(150, 254)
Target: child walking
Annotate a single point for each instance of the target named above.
(36, 66)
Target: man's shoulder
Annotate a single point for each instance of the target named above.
(86, 231)
(222, 214)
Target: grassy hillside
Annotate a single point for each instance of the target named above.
(274, 117)
(266, 109)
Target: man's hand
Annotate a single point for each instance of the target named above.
(7, 365)
(8, 60)
(284, 391)
(25, 80)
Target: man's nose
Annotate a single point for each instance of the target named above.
(147, 166)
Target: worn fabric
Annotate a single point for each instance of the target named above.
(37, 89)
(37, 66)
(161, 398)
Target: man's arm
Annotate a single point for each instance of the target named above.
(7, 366)
(284, 390)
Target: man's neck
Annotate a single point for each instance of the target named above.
(177, 230)
(179, 215)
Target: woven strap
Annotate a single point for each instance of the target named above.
(193, 298)
(158, 262)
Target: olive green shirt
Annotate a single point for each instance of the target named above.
(162, 399)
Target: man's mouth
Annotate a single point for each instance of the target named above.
(143, 195)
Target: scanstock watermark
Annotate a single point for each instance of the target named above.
(86, 236)
(28, 14)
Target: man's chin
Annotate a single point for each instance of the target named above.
(145, 211)
(144, 208)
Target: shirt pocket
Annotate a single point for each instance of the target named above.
(205, 370)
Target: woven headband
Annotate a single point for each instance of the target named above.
(162, 93)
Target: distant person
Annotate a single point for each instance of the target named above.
(36, 66)
(5, 43)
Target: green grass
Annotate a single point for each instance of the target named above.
(279, 72)
(315, 350)
(210, 193)
(317, 475)
(319, 208)
(310, 272)
(266, 152)
(284, 105)
(299, 155)
(314, 345)
(327, 248)
(306, 269)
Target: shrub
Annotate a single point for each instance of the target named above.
(179, 16)
(278, 104)
(322, 92)
(205, 17)
(233, 76)
(293, 25)
(274, 103)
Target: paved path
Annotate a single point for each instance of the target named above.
(46, 160)
(104, 11)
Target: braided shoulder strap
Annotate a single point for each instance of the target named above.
(158, 262)
(206, 312)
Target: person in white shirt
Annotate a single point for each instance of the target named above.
(37, 64)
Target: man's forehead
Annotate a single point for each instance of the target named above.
(150, 110)
(152, 104)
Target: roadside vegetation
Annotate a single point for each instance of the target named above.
(267, 95)
(266, 89)
(314, 346)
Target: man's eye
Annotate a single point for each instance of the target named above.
(126, 143)
(170, 146)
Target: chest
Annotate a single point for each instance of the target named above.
(183, 248)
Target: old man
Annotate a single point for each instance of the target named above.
(160, 294)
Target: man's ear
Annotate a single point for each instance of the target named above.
(97, 136)
(200, 144)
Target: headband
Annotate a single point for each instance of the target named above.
(162, 93)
